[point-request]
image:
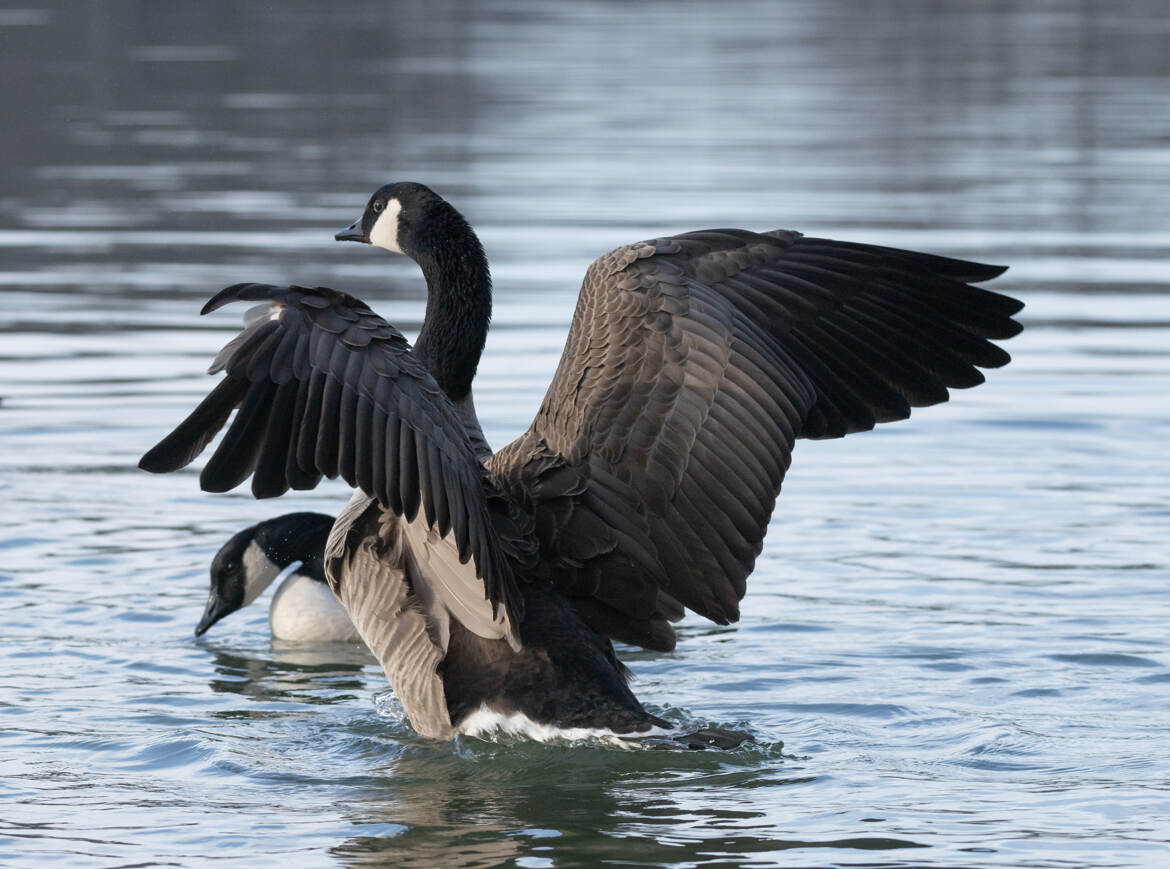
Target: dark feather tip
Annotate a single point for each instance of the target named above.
(236, 293)
(158, 461)
(223, 297)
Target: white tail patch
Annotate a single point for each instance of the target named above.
(484, 722)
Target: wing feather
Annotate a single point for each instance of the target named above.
(270, 479)
(235, 457)
(192, 435)
(325, 451)
(408, 476)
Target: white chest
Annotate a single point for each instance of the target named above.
(307, 611)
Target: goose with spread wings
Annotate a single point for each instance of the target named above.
(491, 585)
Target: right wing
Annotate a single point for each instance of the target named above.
(323, 386)
(692, 366)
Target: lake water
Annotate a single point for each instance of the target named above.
(955, 648)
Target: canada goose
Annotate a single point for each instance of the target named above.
(490, 585)
(304, 608)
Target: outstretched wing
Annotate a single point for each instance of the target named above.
(323, 386)
(692, 366)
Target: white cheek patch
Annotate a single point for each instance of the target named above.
(385, 230)
(259, 571)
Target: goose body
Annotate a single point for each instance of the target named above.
(304, 608)
(491, 585)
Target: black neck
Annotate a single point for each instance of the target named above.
(459, 302)
(296, 537)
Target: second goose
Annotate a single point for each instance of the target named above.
(304, 608)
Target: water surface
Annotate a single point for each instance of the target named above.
(954, 650)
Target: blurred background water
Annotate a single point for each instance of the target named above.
(954, 650)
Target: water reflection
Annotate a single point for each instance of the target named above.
(304, 673)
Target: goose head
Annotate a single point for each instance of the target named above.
(240, 572)
(251, 559)
(404, 217)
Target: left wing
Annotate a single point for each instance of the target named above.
(323, 386)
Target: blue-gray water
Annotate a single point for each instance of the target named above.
(955, 648)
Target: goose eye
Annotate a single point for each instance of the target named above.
(378, 206)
